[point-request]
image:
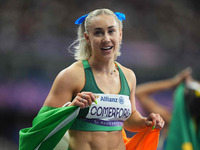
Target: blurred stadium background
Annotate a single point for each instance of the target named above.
(160, 39)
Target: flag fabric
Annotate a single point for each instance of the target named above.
(51, 124)
(182, 130)
(147, 139)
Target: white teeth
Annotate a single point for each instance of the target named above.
(106, 48)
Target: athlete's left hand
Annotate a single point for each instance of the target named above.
(155, 120)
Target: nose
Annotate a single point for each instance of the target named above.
(106, 38)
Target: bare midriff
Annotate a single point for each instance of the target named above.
(96, 140)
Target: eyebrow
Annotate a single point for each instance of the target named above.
(101, 28)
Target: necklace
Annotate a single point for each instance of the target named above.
(114, 70)
(111, 73)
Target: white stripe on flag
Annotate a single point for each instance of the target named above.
(60, 126)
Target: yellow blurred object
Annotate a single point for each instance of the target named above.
(197, 93)
(187, 146)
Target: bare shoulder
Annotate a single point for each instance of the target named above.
(72, 71)
(67, 84)
(129, 74)
(72, 76)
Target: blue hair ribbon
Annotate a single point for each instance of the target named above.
(81, 19)
(119, 15)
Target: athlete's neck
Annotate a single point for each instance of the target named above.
(108, 67)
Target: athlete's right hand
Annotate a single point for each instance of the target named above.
(83, 99)
(185, 74)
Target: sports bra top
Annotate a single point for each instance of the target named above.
(109, 111)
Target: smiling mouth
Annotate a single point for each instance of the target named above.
(107, 48)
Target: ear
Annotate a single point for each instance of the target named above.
(87, 38)
(120, 35)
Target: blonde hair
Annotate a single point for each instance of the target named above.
(82, 49)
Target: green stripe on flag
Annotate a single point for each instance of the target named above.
(48, 128)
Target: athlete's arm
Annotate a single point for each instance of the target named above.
(135, 122)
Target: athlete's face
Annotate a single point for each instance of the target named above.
(104, 36)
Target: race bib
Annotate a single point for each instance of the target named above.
(109, 110)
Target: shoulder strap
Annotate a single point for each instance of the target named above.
(125, 90)
(85, 64)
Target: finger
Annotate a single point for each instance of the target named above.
(88, 98)
(79, 101)
(159, 125)
(76, 102)
(160, 122)
(152, 117)
(81, 105)
(158, 118)
(148, 123)
(92, 95)
(83, 101)
(163, 123)
(81, 98)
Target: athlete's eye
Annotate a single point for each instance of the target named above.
(98, 33)
(111, 31)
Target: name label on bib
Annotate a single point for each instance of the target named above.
(109, 110)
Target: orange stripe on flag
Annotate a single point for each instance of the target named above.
(147, 139)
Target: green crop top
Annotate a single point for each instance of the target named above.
(110, 111)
